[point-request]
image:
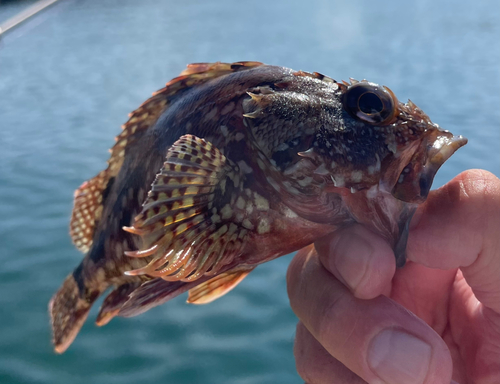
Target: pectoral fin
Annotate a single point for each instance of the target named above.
(216, 287)
(187, 223)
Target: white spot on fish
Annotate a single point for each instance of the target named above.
(290, 188)
(392, 146)
(260, 163)
(240, 203)
(282, 147)
(232, 228)
(289, 213)
(211, 114)
(261, 203)
(226, 212)
(215, 219)
(305, 181)
(239, 217)
(247, 224)
(356, 176)
(249, 207)
(244, 167)
(321, 170)
(224, 130)
(263, 226)
(227, 108)
(338, 181)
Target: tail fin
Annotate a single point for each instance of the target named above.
(69, 309)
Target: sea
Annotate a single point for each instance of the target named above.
(70, 75)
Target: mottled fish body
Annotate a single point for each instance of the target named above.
(233, 165)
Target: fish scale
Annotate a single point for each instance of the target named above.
(232, 165)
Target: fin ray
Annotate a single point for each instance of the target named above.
(87, 209)
(114, 301)
(216, 287)
(151, 294)
(185, 233)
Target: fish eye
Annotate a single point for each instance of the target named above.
(370, 103)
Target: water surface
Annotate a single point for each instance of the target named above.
(69, 77)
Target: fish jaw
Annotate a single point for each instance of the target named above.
(388, 207)
(415, 180)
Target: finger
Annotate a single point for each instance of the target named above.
(425, 292)
(315, 365)
(360, 259)
(377, 339)
(458, 226)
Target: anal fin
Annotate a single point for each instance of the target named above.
(114, 301)
(216, 287)
(153, 293)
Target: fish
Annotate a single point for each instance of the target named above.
(231, 165)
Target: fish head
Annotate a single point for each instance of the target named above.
(374, 159)
(376, 140)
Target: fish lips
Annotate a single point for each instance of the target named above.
(415, 180)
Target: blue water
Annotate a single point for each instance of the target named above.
(69, 77)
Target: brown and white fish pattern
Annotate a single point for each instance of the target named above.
(232, 165)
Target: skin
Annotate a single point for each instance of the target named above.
(433, 321)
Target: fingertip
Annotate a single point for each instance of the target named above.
(362, 260)
(451, 227)
(397, 356)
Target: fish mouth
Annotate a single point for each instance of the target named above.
(415, 180)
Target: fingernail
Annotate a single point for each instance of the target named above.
(399, 358)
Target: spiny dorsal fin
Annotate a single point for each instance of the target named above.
(89, 198)
(186, 222)
(148, 113)
(217, 286)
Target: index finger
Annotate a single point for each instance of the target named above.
(458, 227)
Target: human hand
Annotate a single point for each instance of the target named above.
(354, 307)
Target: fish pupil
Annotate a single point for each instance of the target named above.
(370, 103)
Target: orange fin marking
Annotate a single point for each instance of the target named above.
(186, 230)
(315, 75)
(216, 287)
